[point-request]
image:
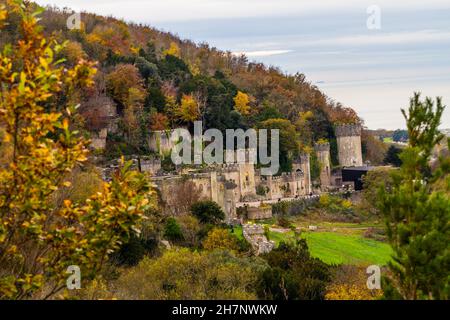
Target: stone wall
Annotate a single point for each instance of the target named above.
(254, 234)
(98, 139)
(287, 185)
(259, 213)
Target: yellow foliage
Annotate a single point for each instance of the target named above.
(347, 204)
(173, 50)
(188, 111)
(73, 52)
(241, 103)
(352, 292)
(220, 239)
(324, 200)
(349, 283)
(39, 237)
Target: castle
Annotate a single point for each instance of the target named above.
(241, 184)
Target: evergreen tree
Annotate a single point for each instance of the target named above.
(416, 213)
(392, 156)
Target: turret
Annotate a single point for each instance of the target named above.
(349, 145)
(323, 156)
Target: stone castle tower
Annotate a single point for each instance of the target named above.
(323, 156)
(302, 164)
(349, 145)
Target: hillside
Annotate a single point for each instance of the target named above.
(152, 80)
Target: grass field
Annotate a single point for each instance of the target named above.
(337, 248)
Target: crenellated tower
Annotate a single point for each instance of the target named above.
(349, 145)
(323, 156)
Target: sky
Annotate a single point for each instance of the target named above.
(373, 70)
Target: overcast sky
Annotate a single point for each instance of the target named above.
(373, 71)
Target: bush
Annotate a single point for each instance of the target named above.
(283, 222)
(293, 274)
(130, 253)
(183, 274)
(208, 212)
(172, 230)
(219, 238)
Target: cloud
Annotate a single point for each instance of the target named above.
(153, 11)
(262, 53)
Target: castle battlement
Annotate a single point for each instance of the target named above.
(348, 130)
(320, 147)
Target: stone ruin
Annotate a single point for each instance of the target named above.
(254, 234)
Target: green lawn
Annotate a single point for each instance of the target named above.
(337, 248)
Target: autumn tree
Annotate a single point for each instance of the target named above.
(121, 80)
(219, 238)
(38, 239)
(188, 110)
(289, 145)
(241, 103)
(416, 214)
(158, 121)
(173, 50)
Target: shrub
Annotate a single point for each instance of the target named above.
(183, 274)
(208, 212)
(293, 274)
(172, 230)
(219, 238)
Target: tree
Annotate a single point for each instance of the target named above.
(400, 135)
(172, 230)
(392, 156)
(39, 239)
(219, 238)
(158, 121)
(173, 50)
(372, 182)
(119, 82)
(188, 110)
(241, 103)
(373, 149)
(416, 215)
(288, 140)
(207, 212)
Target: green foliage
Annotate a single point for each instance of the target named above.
(400, 135)
(293, 274)
(417, 216)
(392, 156)
(172, 230)
(130, 253)
(289, 146)
(261, 190)
(208, 212)
(315, 167)
(372, 181)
